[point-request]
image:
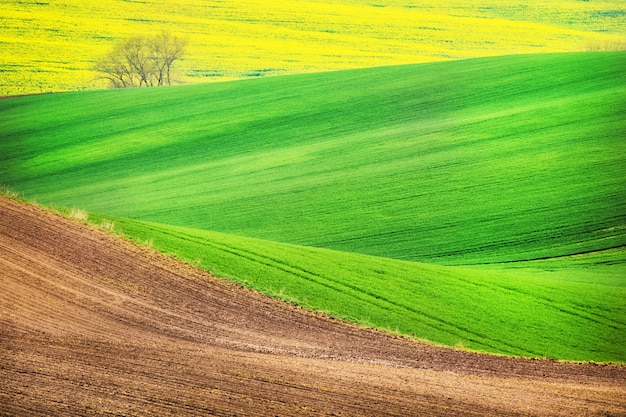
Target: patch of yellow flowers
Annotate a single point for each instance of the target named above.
(51, 45)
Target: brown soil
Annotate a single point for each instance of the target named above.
(92, 324)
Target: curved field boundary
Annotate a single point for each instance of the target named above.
(92, 324)
(528, 313)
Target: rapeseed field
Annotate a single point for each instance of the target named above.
(51, 46)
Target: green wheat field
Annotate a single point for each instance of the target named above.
(476, 203)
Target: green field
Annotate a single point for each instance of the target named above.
(477, 203)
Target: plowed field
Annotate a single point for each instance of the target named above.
(92, 324)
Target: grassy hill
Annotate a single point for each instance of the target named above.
(385, 186)
(51, 46)
(478, 161)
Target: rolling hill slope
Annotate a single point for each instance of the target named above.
(478, 161)
(387, 171)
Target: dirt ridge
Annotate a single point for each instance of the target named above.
(93, 324)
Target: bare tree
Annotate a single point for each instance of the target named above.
(137, 53)
(115, 68)
(165, 48)
(141, 61)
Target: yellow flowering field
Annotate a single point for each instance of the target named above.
(51, 45)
